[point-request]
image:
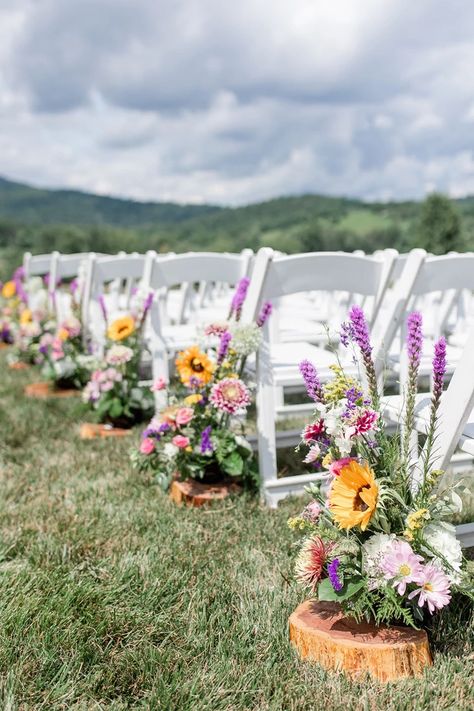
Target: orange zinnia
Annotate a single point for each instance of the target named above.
(354, 495)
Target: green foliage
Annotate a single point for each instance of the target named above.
(114, 598)
(439, 225)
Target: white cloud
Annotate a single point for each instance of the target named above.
(200, 100)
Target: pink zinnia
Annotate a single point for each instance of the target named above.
(180, 441)
(338, 464)
(366, 422)
(434, 588)
(311, 432)
(147, 446)
(184, 415)
(401, 565)
(230, 395)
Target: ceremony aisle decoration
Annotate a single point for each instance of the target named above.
(114, 393)
(13, 301)
(196, 446)
(378, 547)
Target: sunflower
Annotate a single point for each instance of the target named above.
(63, 334)
(193, 364)
(9, 289)
(193, 399)
(353, 496)
(121, 328)
(26, 317)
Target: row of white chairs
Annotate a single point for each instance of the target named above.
(307, 291)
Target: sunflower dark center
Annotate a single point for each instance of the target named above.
(360, 505)
(197, 366)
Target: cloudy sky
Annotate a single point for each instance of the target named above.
(230, 103)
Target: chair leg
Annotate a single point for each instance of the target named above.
(267, 455)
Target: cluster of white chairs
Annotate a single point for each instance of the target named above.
(311, 294)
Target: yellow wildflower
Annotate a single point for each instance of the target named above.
(9, 289)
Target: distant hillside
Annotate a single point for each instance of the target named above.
(70, 221)
(37, 206)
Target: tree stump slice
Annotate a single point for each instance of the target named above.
(4, 345)
(195, 493)
(90, 430)
(46, 389)
(321, 633)
(19, 365)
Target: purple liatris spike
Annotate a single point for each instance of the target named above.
(360, 330)
(206, 444)
(239, 297)
(73, 286)
(311, 380)
(439, 366)
(103, 307)
(148, 303)
(414, 339)
(223, 347)
(333, 576)
(264, 314)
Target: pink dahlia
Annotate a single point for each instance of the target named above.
(401, 565)
(310, 562)
(230, 395)
(434, 588)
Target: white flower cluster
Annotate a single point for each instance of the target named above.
(441, 537)
(246, 338)
(373, 552)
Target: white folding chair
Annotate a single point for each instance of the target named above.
(278, 363)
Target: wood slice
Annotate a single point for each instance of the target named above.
(195, 493)
(90, 430)
(4, 345)
(46, 389)
(19, 365)
(320, 632)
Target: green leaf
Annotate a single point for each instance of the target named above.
(327, 592)
(116, 408)
(233, 464)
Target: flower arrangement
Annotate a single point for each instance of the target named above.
(32, 326)
(114, 392)
(12, 302)
(61, 354)
(376, 535)
(200, 434)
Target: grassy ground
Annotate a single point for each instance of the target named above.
(112, 598)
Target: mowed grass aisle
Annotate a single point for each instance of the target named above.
(113, 598)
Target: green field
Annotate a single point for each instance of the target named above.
(113, 598)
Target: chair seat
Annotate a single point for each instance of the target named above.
(393, 410)
(286, 357)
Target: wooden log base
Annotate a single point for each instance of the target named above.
(321, 633)
(4, 345)
(195, 493)
(46, 389)
(90, 430)
(19, 365)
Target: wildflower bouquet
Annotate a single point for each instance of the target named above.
(376, 535)
(31, 328)
(12, 302)
(201, 433)
(62, 356)
(114, 392)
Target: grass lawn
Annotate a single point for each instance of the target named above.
(113, 598)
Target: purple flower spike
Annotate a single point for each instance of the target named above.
(206, 444)
(148, 303)
(239, 297)
(103, 307)
(414, 338)
(223, 347)
(311, 380)
(360, 330)
(264, 314)
(73, 286)
(333, 576)
(439, 366)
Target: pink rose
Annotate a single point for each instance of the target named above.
(184, 415)
(338, 464)
(180, 441)
(147, 446)
(158, 385)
